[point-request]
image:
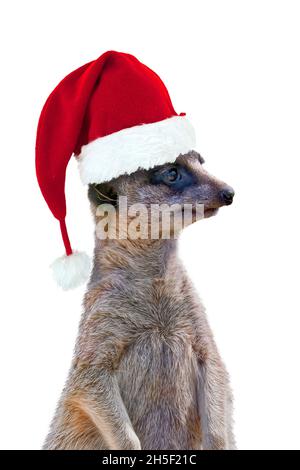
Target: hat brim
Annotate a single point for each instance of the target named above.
(128, 150)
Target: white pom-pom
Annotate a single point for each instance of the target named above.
(71, 271)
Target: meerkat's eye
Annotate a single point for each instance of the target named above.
(171, 176)
(176, 177)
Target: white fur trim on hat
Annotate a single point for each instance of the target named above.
(72, 270)
(137, 147)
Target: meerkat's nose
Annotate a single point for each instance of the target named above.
(226, 195)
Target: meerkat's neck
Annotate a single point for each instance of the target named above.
(136, 260)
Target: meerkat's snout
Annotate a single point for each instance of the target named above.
(227, 195)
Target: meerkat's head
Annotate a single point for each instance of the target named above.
(182, 184)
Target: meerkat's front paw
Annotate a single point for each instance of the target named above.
(130, 441)
(215, 442)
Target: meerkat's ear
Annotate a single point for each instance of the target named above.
(103, 193)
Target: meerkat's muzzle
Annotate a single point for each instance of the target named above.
(226, 195)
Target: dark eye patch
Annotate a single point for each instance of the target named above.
(175, 176)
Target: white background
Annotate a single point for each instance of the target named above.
(233, 67)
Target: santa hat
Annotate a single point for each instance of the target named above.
(115, 114)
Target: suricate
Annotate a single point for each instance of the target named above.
(146, 372)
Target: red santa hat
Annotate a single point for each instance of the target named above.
(116, 116)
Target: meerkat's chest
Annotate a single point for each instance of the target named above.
(158, 366)
(157, 377)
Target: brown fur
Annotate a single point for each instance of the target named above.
(146, 370)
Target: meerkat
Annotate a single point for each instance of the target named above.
(146, 372)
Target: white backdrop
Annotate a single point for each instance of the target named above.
(233, 67)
